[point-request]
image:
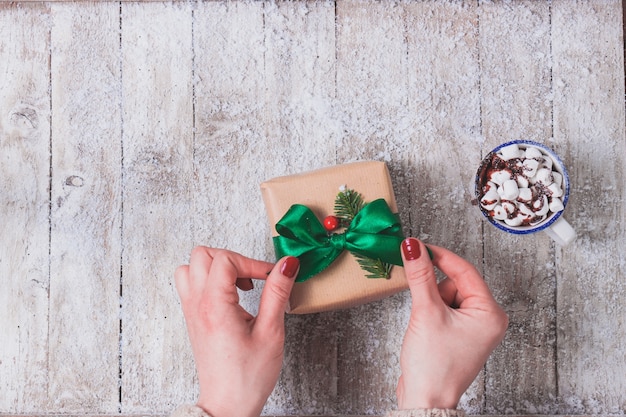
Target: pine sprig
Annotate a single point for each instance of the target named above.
(375, 268)
(347, 204)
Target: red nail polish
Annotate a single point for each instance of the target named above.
(411, 249)
(290, 267)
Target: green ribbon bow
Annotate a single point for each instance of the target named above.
(375, 232)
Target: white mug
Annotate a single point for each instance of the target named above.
(504, 206)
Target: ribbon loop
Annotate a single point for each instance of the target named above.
(375, 232)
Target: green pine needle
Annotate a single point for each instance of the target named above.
(347, 204)
(375, 268)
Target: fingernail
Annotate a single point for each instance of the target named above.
(411, 249)
(290, 267)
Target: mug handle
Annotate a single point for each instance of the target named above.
(561, 232)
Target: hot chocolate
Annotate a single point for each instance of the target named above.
(520, 186)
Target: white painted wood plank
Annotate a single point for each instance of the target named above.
(302, 121)
(231, 145)
(302, 129)
(262, 58)
(85, 247)
(229, 133)
(264, 108)
(444, 101)
(157, 112)
(24, 206)
(516, 104)
(372, 100)
(589, 130)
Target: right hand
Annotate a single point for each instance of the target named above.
(453, 328)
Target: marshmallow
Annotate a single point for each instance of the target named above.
(524, 208)
(509, 207)
(514, 221)
(530, 167)
(525, 195)
(533, 153)
(547, 162)
(509, 190)
(541, 206)
(558, 178)
(499, 213)
(555, 190)
(544, 176)
(490, 186)
(522, 181)
(490, 199)
(556, 205)
(525, 218)
(537, 219)
(499, 177)
(510, 152)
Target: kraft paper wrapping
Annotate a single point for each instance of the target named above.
(343, 284)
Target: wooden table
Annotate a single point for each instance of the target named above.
(131, 132)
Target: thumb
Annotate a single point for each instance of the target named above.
(420, 273)
(276, 292)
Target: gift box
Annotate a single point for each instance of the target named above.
(312, 196)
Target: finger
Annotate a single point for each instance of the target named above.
(229, 268)
(200, 263)
(449, 293)
(275, 295)
(420, 273)
(181, 279)
(222, 268)
(467, 280)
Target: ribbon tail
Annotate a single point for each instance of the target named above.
(311, 263)
(383, 247)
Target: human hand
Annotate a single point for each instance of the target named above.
(238, 356)
(453, 328)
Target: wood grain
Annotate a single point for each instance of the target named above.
(132, 131)
(372, 96)
(86, 209)
(302, 131)
(516, 103)
(444, 101)
(24, 206)
(157, 114)
(589, 128)
(231, 127)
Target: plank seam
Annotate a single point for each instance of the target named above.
(480, 126)
(49, 202)
(555, 292)
(121, 272)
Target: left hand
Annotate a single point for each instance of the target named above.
(238, 356)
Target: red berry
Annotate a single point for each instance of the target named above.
(331, 223)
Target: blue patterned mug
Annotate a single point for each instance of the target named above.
(522, 187)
